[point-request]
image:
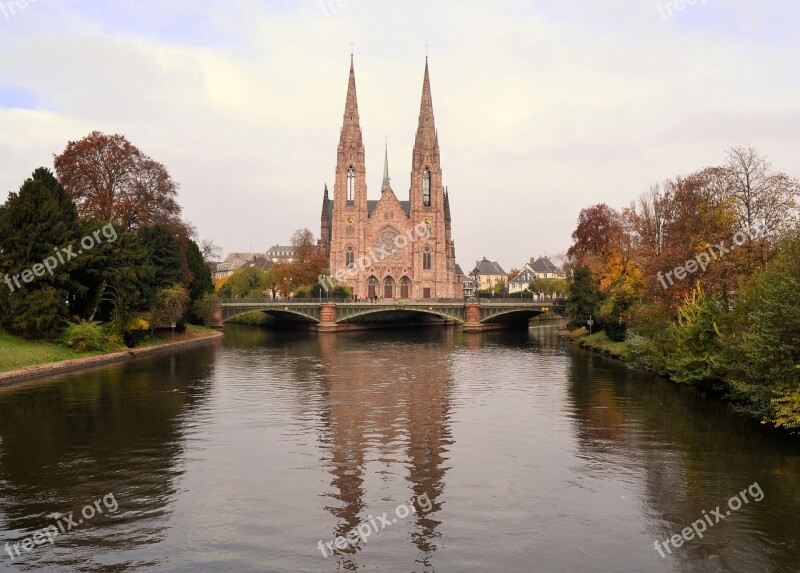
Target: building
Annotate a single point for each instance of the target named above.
(281, 254)
(389, 248)
(520, 282)
(261, 263)
(488, 274)
(233, 262)
(545, 268)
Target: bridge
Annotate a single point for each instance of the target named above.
(326, 315)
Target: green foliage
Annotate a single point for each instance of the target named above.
(135, 331)
(584, 297)
(203, 309)
(163, 249)
(764, 351)
(85, 337)
(40, 313)
(34, 223)
(247, 283)
(697, 353)
(170, 306)
(200, 284)
(340, 291)
(114, 277)
(303, 292)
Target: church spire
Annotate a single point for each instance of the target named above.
(351, 107)
(351, 127)
(386, 178)
(426, 146)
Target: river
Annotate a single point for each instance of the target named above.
(421, 450)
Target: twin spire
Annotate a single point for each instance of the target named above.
(426, 146)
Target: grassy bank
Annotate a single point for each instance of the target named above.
(17, 353)
(599, 342)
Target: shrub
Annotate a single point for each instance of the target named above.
(136, 331)
(85, 337)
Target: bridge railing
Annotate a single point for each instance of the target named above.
(494, 300)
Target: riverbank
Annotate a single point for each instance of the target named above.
(25, 360)
(598, 342)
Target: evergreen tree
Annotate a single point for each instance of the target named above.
(35, 225)
(163, 249)
(584, 296)
(200, 283)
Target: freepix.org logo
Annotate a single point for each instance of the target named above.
(62, 256)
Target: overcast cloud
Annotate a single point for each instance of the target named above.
(542, 108)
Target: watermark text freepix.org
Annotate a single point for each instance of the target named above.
(9, 7)
(375, 255)
(373, 525)
(712, 518)
(701, 261)
(62, 256)
(65, 523)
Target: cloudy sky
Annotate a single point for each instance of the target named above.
(542, 107)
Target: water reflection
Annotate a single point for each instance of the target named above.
(70, 442)
(691, 455)
(395, 411)
(535, 456)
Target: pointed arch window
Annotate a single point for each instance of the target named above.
(426, 187)
(350, 258)
(351, 185)
(426, 259)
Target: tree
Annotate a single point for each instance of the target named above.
(170, 306)
(210, 250)
(109, 178)
(764, 200)
(584, 296)
(115, 278)
(308, 264)
(163, 247)
(35, 224)
(200, 282)
(764, 348)
(598, 236)
(248, 282)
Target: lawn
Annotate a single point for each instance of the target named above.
(16, 353)
(601, 343)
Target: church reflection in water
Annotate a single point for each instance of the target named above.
(384, 411)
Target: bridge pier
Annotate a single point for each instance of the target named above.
(327, 316)
(217, 323)
(473, 321)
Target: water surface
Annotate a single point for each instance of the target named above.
(519, 451)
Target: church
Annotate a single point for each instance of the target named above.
(387, 248)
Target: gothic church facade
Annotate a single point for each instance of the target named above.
(360, 236)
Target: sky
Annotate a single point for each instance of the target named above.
(543, 108)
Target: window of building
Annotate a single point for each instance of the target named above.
(351, 185)
(350, 258)
(405, 287)
(388, 287)
(426, 259)
(351, 230)
(372, 287)
(426, 293)
(426, 188)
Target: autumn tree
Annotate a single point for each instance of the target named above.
(309, 260)
(764, 200)
(110, 179)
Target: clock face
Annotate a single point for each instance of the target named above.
(350, 220)
(427, 221)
